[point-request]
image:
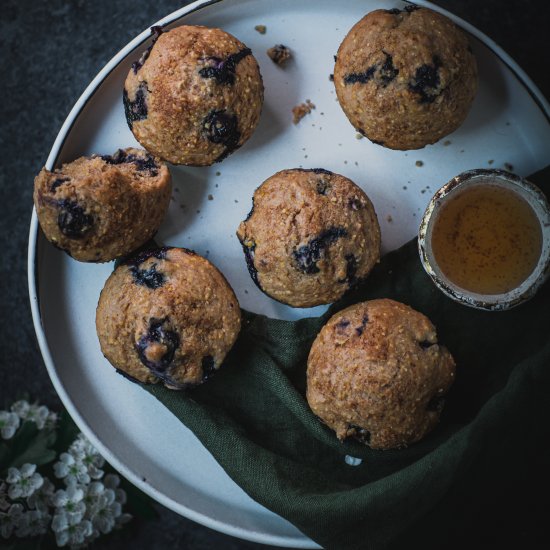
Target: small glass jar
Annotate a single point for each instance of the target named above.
(480, 184)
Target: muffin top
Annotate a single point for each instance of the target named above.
(167, 315)
(405, 78)
(377, 373)
(194, 96)
(311, 235)
(102, 207)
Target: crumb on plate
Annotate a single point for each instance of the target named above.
(279, 54)
(300, 111)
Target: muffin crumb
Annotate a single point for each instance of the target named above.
(279, 54)
(260, 28)
(300, 111)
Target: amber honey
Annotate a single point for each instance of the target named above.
(486, 239)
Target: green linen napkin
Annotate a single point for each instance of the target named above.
(491, 441)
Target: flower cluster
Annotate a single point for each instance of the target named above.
(22, 411)
(87, 507)
(39, 414)
(88, 504)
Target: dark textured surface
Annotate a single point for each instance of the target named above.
(50, 50)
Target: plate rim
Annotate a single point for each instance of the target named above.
(33, 277)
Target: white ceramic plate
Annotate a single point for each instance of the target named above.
(137, 435)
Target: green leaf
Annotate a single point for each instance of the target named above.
(138, 504)
(4, 456)
(28, 445)
(67, 432)
(32, 543)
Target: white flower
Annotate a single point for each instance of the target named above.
(23, 482)
(70, 503)
(10, 520)
(69, 530)
(51, 421)
(106, 511)
(21, 408)
(83, 451)
(32, 523)
(71, 469)
(38, 415)
(31, 413)
(9, 422)
(123, 519)
(4, 503)
(80, 447)
(104, 504)
(92, 498)
(112, 481)
(41, 500)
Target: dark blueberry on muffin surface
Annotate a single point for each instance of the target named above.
(135, 109)
(156, 348)
(223, 70)
(308, 255)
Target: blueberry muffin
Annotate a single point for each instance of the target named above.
(167, 315)
(194, 96)
(311, 234)
(405, 78)
(376, 373)
(101, 207)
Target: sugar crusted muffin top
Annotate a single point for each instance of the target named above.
(102, 207)
(405, 78)
(167, 315)
(377, 373)
(311, 235)
(194, 96)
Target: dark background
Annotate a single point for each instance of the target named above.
(49, 52)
